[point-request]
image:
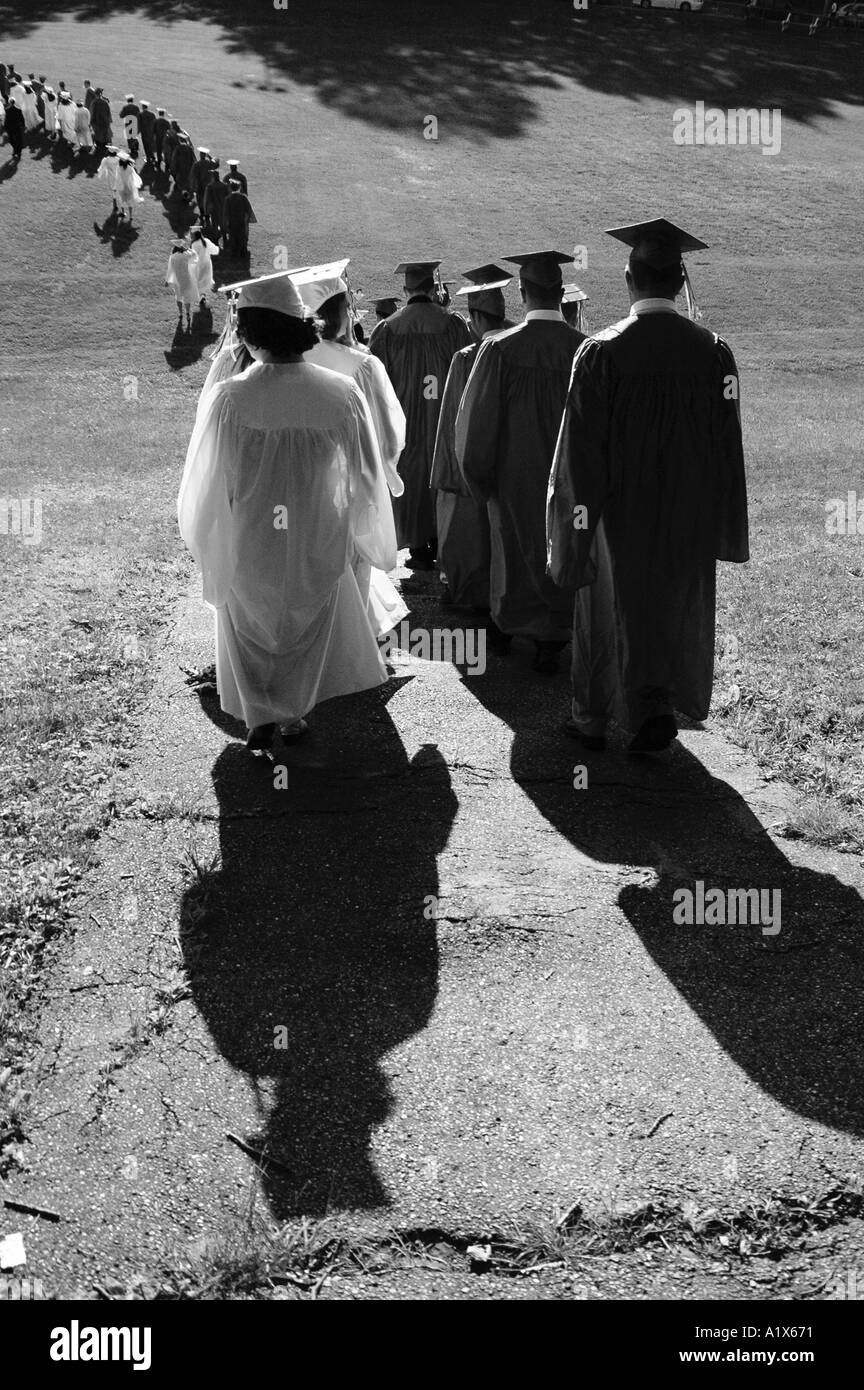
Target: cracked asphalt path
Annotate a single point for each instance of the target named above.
(439, 986)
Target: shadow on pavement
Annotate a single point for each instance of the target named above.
(787, 1008)
(316, 928)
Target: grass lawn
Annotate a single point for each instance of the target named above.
(550, 128)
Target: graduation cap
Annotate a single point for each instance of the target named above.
(130, 96)
(487, 275)
(540, 268)
(378, 301)
(318, 283)
(160, 110)
(416, 272)
(202, 149)
(269, 292)
(144, 103)
(659, 245)
(488, 297)
(572, 304)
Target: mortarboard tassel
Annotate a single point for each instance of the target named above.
(580, 318)
(693, 310)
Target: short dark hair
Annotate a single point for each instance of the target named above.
(493, 320)
(274, 332)
(548, 296)
(330, 313)
(658, 281)
(425, 286)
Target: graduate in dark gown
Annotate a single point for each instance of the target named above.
(463, 523)
(100, 119)
(182, 164)
(213, 203)
(146, 124)
(416, 345)
(161, 127)
(647, 493)
(237, 214)
(506, 431)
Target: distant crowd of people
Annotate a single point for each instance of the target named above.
(33, 110)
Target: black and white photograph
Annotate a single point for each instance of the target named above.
(431, 632)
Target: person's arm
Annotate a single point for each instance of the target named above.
(580, 478)
(373, 528)
(204, 500)
(478, 423)
(731, 482)
(446, 476)
(388, 417)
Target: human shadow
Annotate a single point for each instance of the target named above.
(8, 170)
(123, 238)
(314, 958)
(483, 70)
(179, 214)
(785, 1006)
(189, 344)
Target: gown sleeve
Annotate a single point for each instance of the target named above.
(372, 521)
(478, 421)
(446, 476)
(204, 501)
(732, 532)
(581, 472)
(388, 417)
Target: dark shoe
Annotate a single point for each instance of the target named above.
(546, 657)
(499, 641)
(595, 743)
(655, 735)
(259, 739)
(420, 558)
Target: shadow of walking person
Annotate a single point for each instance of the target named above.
(316, 960)
(784, 997)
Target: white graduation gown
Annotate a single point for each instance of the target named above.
(82, 128)
(50, 115)
(180, 275)
(293, 443)
(385, 605)
(32, 119)
(127, 186)
(107, 170)
(203, 251)
(66, 120)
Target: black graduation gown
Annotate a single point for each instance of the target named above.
(651, 447)
(416, 345)
(506, 430)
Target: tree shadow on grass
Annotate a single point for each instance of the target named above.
(482, 69)
(787, 1008)
(314, 959)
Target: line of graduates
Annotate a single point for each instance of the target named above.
(31, 107)
(570, 487)
(577, 489)
(222, 200)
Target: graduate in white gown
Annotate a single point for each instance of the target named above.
(282, 490)
(128, 185)
(66, 118)
(32, 119)
(82, 127)
(49, 112)
(325, 293)
(203, 251)
(180, 275)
